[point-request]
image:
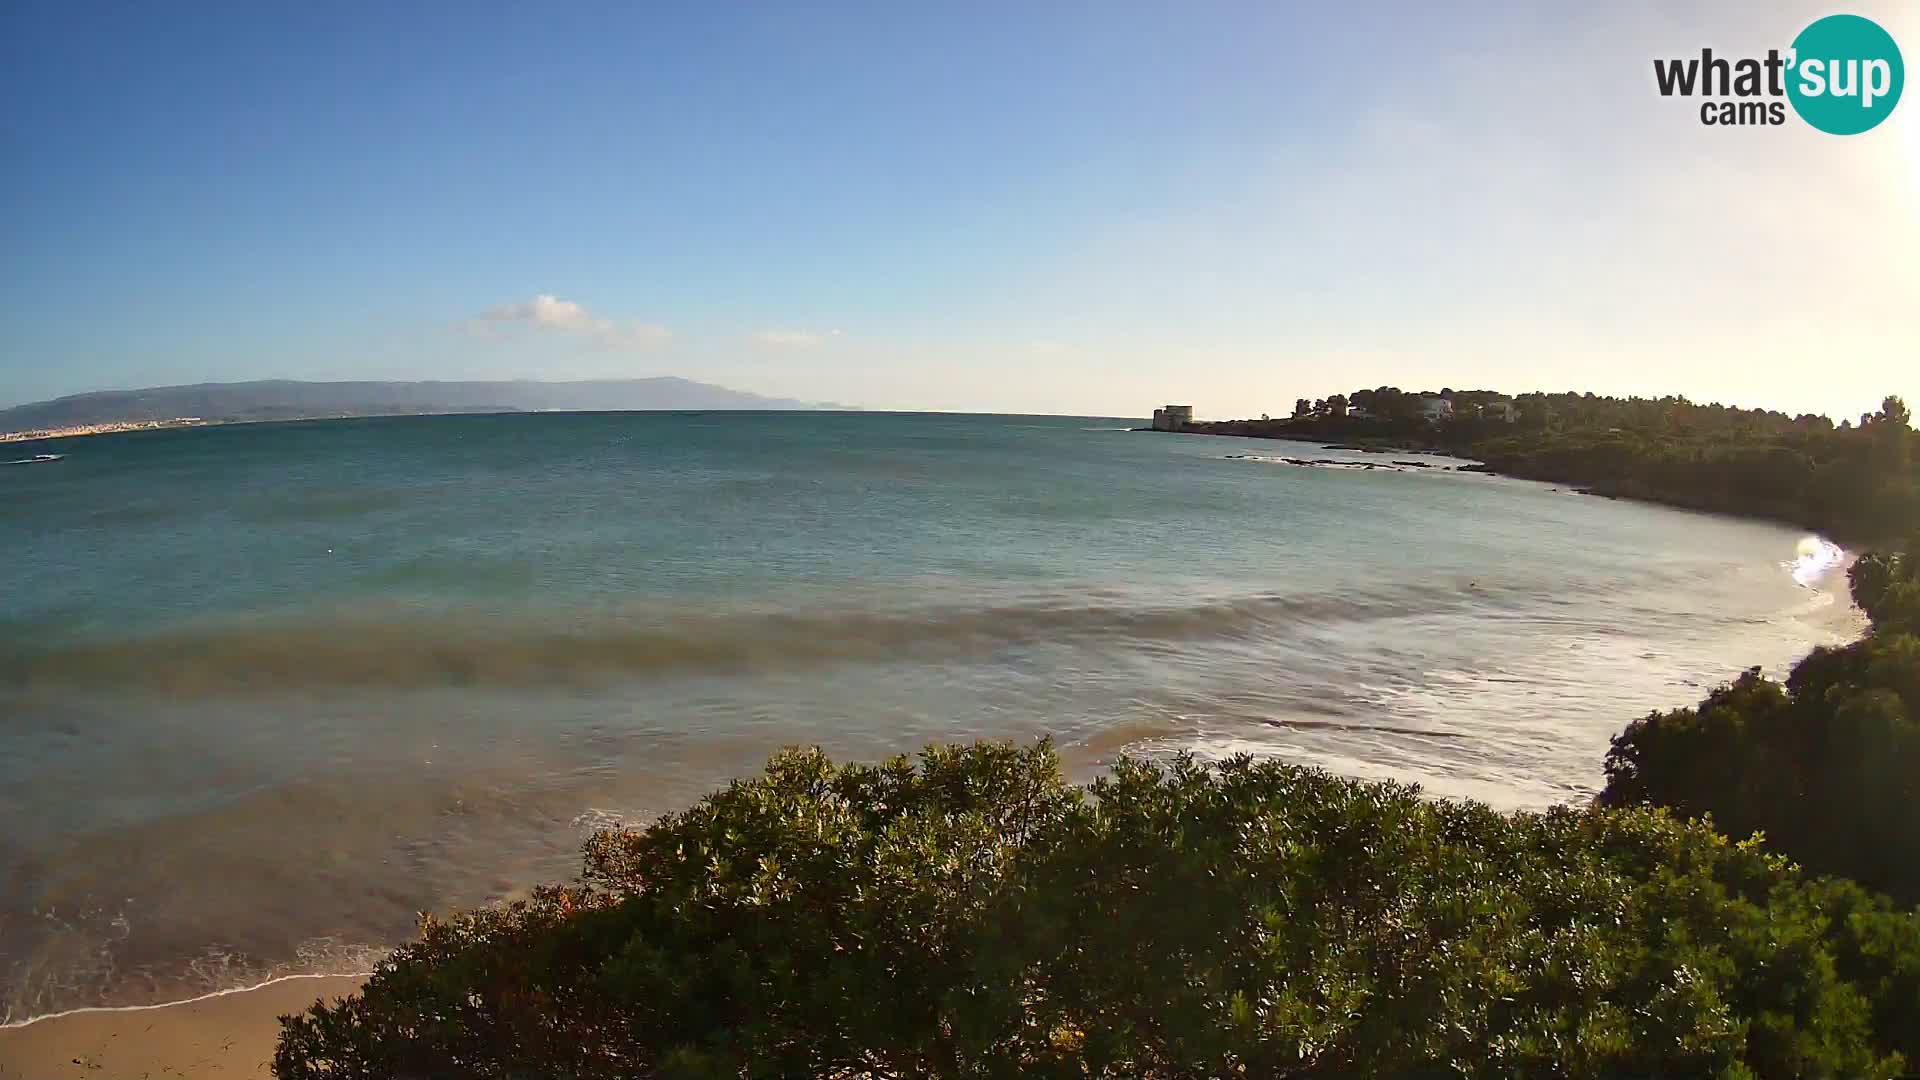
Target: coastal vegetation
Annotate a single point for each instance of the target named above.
(972, 914)
(1857, 482)
(1826, 765)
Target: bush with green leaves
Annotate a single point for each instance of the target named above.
(1886, 585)
(1826, 765)
(970, 914)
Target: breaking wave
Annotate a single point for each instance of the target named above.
(473, 649)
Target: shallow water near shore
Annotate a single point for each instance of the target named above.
(266, 691)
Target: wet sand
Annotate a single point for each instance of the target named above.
(226, 1035)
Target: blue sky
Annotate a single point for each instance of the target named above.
(1083, 208)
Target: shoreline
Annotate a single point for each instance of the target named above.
(1481, 467)
(113, 427)
(226, 1033)
(82, 1010)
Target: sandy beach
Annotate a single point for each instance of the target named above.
(225, 1035)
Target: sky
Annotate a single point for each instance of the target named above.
(1084, 208)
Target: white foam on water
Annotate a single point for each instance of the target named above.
(1814, 558)
(1503, 792)
(183, 1001)
(594, 819)
(212, 971)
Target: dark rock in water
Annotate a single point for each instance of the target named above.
(1325, 463)
(1413, 464)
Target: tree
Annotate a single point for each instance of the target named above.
(1886, 585)
(1302, 407)
(1391, 403)
(1891, 431)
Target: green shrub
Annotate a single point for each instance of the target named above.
(1827, 765)
(1886, 585)
(973, 915)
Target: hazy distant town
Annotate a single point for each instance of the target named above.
(98, 429)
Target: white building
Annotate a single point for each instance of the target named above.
(1436, 408)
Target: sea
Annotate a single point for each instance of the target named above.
(267, 691)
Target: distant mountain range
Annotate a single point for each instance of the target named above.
(288, 400)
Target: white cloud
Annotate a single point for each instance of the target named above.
(545, 310)
(549, 313)
(793, 339)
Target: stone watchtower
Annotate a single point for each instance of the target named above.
(1173, 418)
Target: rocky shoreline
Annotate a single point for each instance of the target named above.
(1361, 466)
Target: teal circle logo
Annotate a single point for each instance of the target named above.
(1845, 74)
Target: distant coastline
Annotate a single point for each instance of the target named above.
(105, 411)
(1855, 483)
(108, 428)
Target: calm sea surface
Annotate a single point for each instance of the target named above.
(267, 691)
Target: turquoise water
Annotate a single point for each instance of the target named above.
(266, 691)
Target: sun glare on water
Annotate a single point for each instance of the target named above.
(1814, 557)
